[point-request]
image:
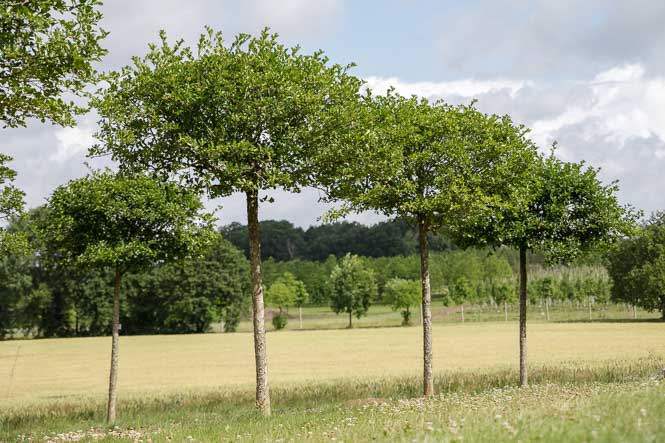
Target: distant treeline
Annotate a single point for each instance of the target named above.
(281, 240)
(457, 276)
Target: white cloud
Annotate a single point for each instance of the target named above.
(72, 142)
(432, 90)
(615, 120)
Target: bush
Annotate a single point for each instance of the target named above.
(279, 321)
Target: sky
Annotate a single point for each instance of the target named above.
(589, 75)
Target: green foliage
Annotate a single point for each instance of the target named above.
(280, 321)
(563, 211)
(637, 266)
(287, 291)
(504, 292)
(47, 48)
(353, 286)
(462, 291)
(402, 295)
(11, 204)
(189, 295)
(427, 163)
(123, 222)
(240, 116)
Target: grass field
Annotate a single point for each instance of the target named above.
(321, 317)
(345, 384)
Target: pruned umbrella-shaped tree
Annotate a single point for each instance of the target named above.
(122, 223)
(563, 211)
(241, 117)
(431, 164)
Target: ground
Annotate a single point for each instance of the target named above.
(597, 379)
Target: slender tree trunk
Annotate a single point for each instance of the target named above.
(589, 301)
(634, 312)
(260, 351)
(505, 310)
(350, 319)
(662, 308)
(523, 298)
(462, 312)
(115, 342)
(428, 381)
(547, 308)
(300, 315)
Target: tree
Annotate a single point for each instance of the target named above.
(504, 293)
(430, 164)
(286, 291)
(301, 297)
(402, 294)
(462, 292)
(637, 267)
(189, 295)
(47, 49)
(11, 205)
(243, 117)
(562, 211)
(353, 286)
(122, 223)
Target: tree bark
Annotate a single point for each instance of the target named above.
(523, 299)
(258, 312)
(350, 319)
(547, 308)
(634, 312)
(462, 312)
(589, 301)
(662, 308)
(505, 310)
(428, 380)
(300, 315)
(115, 342)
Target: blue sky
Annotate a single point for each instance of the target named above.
(587, 74)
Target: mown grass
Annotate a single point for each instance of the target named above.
(321, 317)
(607, 401)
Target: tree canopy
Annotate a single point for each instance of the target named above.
(47, 51)
(353, 287)
(637, 266)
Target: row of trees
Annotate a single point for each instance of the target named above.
(255, 115)
(496, 286)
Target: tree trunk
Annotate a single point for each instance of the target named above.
(589, 301)
(662, 308)
(350, 319)
(547, 308)
(115, 341)
(634, 312)
(300, 315)
(505, 310)
(523, 299)
(462, 312)
(428, 381)
(260, 351)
